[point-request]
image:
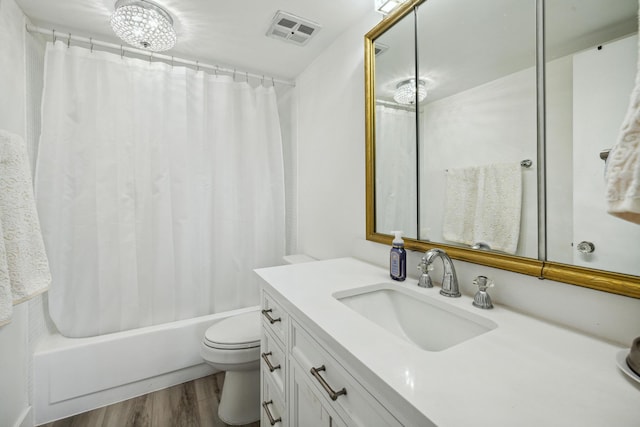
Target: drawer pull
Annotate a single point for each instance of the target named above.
(271, 319)
(332, 394)
(268, 362)
(272, 421)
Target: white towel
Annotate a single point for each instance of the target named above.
(622, 174)
(461, 198)
(483, 205)
(24, 269)
(498, 211)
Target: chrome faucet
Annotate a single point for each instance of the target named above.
(449, 279)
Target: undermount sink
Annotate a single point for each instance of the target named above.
(418, 319)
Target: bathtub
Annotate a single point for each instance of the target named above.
(74, 375)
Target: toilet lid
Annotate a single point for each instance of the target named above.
(235, 332)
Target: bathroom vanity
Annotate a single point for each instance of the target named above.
(343, 346)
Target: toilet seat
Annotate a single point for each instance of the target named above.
(235, 333)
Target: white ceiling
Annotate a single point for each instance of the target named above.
(228, 33)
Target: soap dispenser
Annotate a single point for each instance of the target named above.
(398, 258)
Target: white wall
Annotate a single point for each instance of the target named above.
(331, 216)
(14, 344)
(331, 201)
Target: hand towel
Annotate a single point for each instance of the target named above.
(498, 209)
(461, 198)
(24, 268)
(622, 174)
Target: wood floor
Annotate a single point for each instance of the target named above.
(192, 404)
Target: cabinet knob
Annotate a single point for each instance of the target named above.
(268, 362)
(586, 247)
(265, 406)
(271, 320)
(332, 394)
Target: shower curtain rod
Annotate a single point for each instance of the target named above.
(152, 55)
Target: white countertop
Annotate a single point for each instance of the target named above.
(526, 372)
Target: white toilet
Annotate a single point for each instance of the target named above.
(233, 345)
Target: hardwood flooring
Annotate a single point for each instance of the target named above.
(192, 404)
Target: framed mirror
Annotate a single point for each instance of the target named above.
(487, 86)
(397, 180)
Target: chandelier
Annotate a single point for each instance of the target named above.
(406, 92)
(143, 24)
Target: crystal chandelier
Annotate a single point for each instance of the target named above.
(406, 92)
(143, 24)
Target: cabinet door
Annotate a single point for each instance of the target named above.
(306, 408)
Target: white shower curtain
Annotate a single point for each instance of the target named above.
(159, 189)
(396, 196)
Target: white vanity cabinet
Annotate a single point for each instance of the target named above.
(303, 384)
(273, 363)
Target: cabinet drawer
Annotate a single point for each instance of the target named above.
(274, 318)
(273, 361)
(341, 391)
(274, 410)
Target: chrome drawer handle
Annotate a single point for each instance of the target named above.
(272, 421)
(271, 319)
(266, 360)
(332, 394)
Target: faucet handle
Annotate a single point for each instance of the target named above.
(425, 267)
(482, 298)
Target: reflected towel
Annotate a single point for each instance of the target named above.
(461, 198)
(24, 269)
(483, 205)
(498, 210)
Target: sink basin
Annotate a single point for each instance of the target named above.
(418, 319)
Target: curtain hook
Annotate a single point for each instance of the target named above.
(234, 74)
(273, 82)
(246, 74)
(172, 61)
(69, 40)
(53, 37)
(197, 66)
(121, 52)
(216, 71)
(262, 80)
(91, 43)
(150, 57)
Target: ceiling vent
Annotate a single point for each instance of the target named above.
(291, 28)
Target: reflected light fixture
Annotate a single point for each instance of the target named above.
(405, 93)
(387, 6)
(143, 24)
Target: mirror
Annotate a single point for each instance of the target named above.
(484, 107)
(478, 124)
(396, 144)
(590, 73)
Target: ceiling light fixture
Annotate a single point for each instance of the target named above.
(143, 24)
(406, 94)
(387, 6)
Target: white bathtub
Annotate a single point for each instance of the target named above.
(74, 375)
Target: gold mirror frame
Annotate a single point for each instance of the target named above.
(622, 284)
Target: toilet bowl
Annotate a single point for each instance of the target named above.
(233, 345)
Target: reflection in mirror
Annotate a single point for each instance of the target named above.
(395, 130)
(477, 124)
(590, 72)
